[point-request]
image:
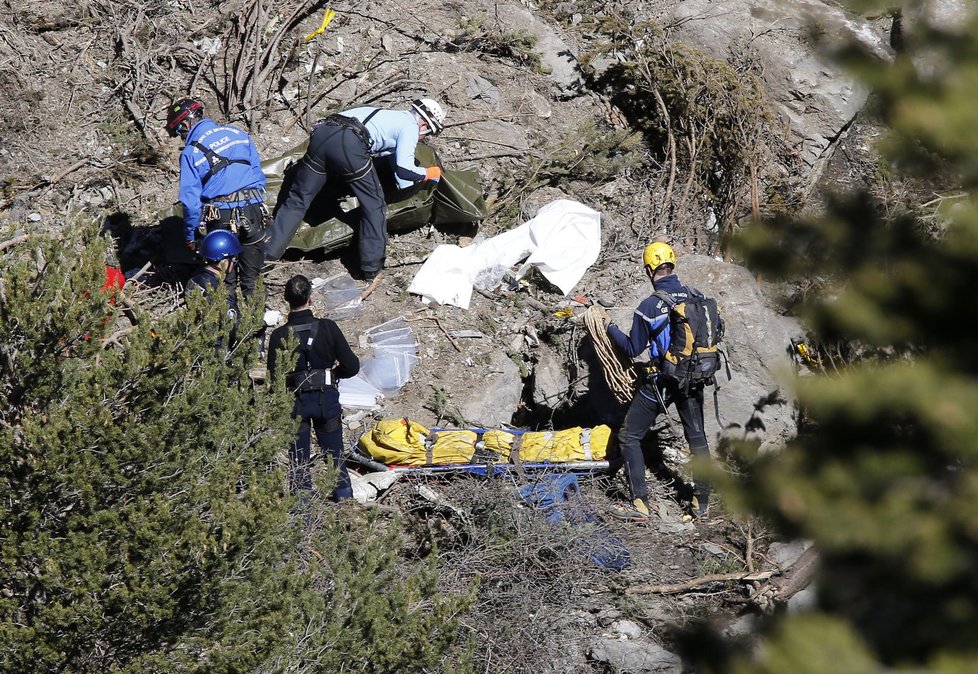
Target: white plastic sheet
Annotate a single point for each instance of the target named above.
(562, 241)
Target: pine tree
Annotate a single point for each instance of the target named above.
(884, 480)
(144, 524)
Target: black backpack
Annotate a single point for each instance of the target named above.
(695, 331)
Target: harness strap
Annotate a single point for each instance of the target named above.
(245, 195)
(215, 162)
(586, 443)
(353, 124)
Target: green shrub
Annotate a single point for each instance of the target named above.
(144, 526)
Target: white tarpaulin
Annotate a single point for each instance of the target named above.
(562, 241)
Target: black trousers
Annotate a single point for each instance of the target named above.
(252, 256)
(642, 413)
(335, 153)
(318, 411)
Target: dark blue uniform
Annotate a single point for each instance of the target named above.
(222, 184)
(650, 329)
(338, 152)
(318, 406)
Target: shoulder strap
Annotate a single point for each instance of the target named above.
(215, 162)
(306, 335)
(668, 298)
(368, 117)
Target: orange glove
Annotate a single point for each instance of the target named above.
(433, 173)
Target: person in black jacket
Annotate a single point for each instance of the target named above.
(322, 357)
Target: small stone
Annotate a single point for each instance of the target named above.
(34, 217)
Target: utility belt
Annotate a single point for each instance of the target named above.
(309, 380)
(351, 124)
(235, 218)
(247, 195)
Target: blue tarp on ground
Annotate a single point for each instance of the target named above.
(559, 499)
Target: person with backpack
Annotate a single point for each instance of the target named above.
(321, 358)
(222, 187)
(655, 325)
(342, 147)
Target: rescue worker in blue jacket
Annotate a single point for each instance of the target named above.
(220, 250)
(221, 187)
(650, 330)
(322, 357)
(342, 147)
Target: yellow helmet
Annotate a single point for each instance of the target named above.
(658, 254)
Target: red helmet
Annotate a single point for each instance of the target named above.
(183, 113)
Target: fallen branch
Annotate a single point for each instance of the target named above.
(792, 581)
(370, 288)
(673, 588)
(442, 328)
(10, 243)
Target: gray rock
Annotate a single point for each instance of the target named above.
(551, 381)
(786, 554)
(803, 601)
(742, 626)
(816, 98)
(556, 54)
(626, 629)
(756, 342)
(635, 656)
(538, 104)
(481, 88)
(492, 400)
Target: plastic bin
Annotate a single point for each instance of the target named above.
(398, 336)
(392, 324)
(388, 369)
(342, 297)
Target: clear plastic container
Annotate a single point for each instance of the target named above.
(392, 324)
(389, 370)
(410, 347)
(342, 296)
(357, 392)
(398, 336)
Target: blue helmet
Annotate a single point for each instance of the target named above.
(218, 245)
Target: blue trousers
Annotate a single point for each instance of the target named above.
(318, 411)
(642, 413)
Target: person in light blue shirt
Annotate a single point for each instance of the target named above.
(221, 187)
(342, 147)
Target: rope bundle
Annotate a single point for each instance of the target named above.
(617, 369)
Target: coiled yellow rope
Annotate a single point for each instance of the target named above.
(618, 371)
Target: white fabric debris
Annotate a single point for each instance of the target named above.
(562, 241)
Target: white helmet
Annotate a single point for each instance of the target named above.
(431, 112)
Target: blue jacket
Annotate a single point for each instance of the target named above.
(393, 132)
(650, 323)
(205, 281)
(196, 187)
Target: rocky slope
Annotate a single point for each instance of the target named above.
(87, 85)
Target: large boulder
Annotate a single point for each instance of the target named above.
(816, 99)
(757, 342)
